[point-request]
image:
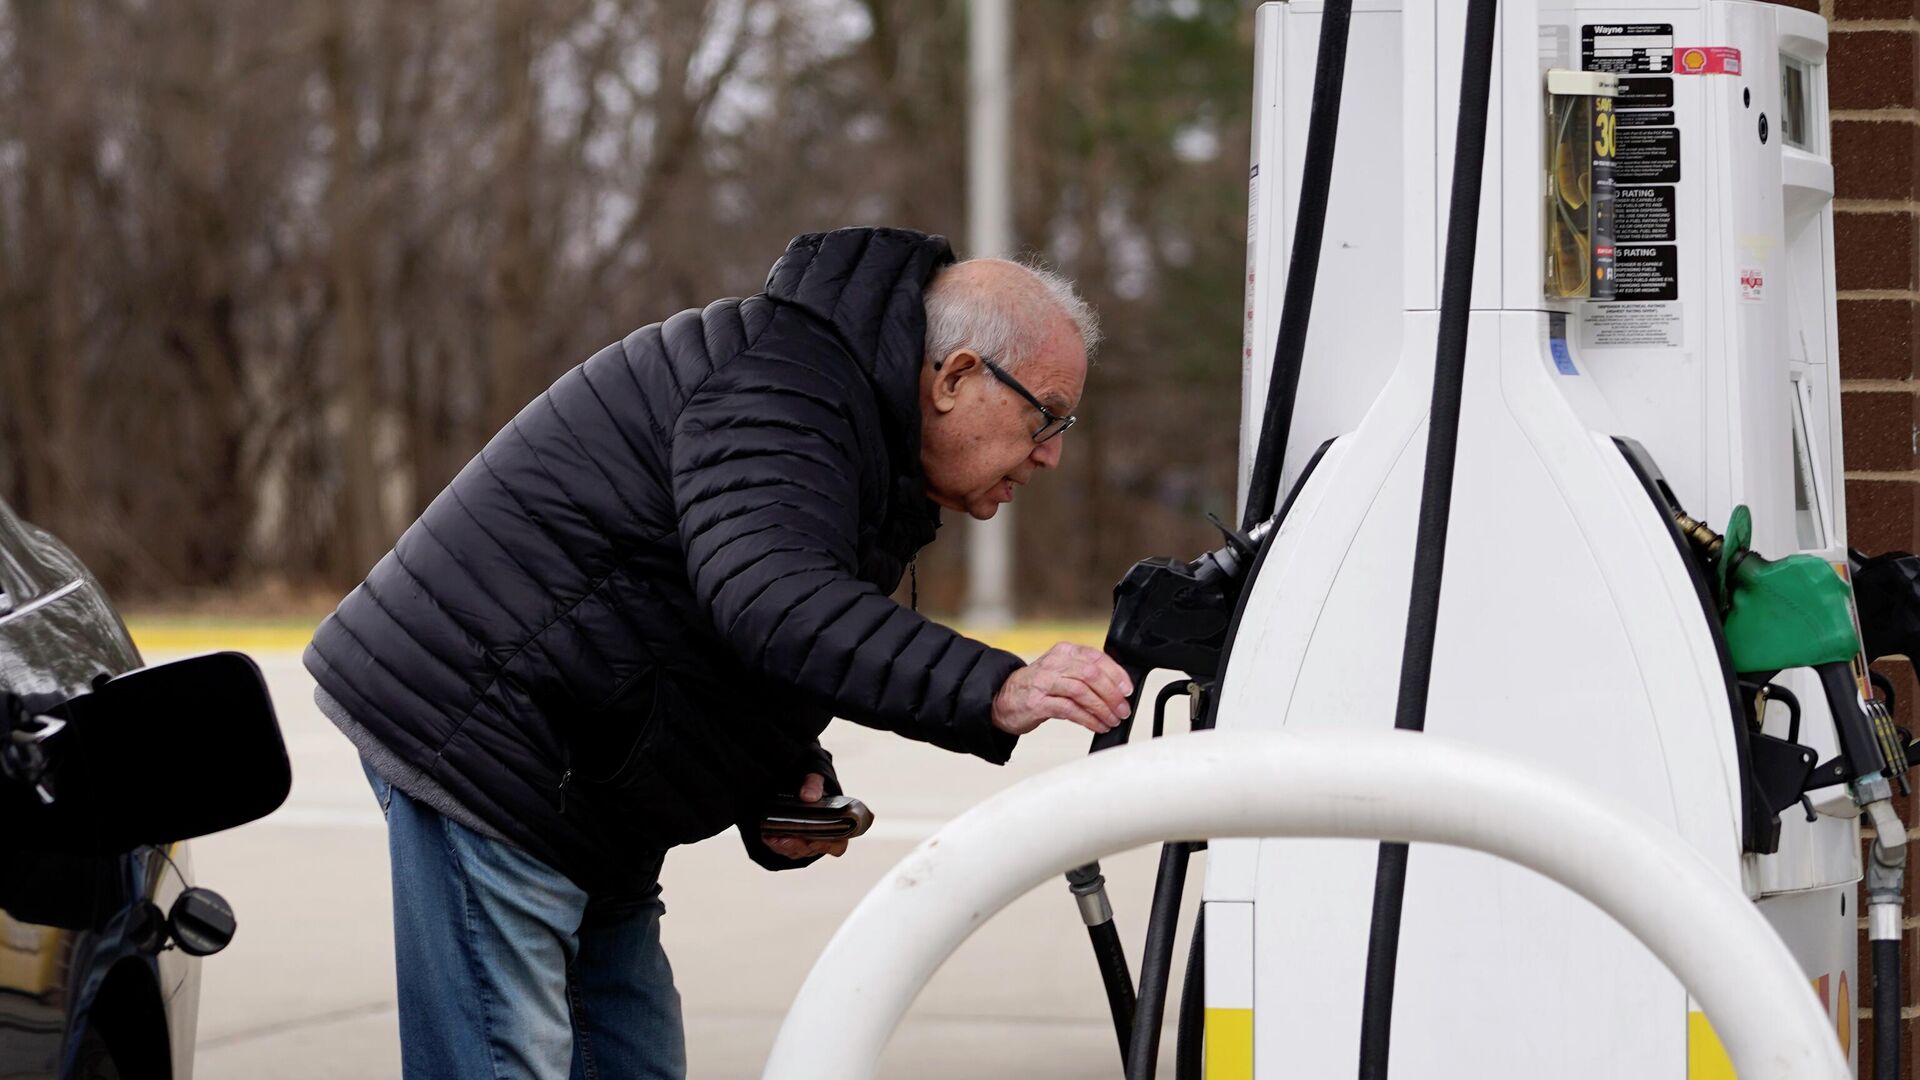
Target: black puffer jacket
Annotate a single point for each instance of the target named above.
(625, 622)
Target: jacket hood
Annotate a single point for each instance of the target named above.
(869, 285)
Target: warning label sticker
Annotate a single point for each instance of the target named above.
(1646, 272)
(1646, 118)
(1647, 155)
(1647, 93)
(1628, 326)
(1627, 47)
(1642, 215)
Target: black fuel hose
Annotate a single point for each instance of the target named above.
(1156, 961)
(1136, 1017)
(1316, 181)
(1111, 957)
(1089, 888)
(1886, 1003)
(1167, 693)
(1436, 497)
(1188, 1056)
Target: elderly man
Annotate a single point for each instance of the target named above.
(625, 623)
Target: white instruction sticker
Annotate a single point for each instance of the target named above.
(1630, 326)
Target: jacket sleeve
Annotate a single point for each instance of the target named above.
(766, 488)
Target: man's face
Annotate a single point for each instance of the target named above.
(976, 443)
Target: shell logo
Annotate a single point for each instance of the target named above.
(1706, 60)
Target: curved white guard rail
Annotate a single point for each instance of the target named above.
(1420, 788)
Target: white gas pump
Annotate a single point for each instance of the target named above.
(1540, 455)
(1651, 331)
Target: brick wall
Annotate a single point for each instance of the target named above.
(1873, 72)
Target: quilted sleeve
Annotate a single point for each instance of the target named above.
(766, 489)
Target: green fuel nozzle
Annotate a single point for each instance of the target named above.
(1798, 612)
(1778, 613)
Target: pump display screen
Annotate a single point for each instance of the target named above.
(1793, 104)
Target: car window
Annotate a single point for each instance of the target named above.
(16, 584)
(13, 587)
(13, 584)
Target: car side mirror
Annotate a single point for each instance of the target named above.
(156, 755)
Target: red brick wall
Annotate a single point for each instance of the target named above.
(1874, 68)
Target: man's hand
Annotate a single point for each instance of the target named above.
(792, 847)
(1071, 682)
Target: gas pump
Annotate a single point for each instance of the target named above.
(1540, 348)
(1643, 324)
(1650, 346)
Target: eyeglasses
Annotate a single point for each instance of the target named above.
(1053, 424)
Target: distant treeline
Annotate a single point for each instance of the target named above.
(270, 273)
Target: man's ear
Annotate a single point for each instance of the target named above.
(949, 373)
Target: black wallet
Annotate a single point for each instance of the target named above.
(836, 817)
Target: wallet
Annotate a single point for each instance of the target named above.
(836, 817)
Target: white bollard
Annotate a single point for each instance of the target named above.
(1401, 786)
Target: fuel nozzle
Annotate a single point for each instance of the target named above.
(1173, 614)
(1798, 612)
(1870, 746)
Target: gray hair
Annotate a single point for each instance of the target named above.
(1004, 324)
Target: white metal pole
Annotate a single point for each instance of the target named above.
(989, 233)
(1419, 788)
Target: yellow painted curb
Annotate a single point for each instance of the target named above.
(1032, 639)
(163, 635)
(182, 637)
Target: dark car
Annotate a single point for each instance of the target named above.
(106, 768)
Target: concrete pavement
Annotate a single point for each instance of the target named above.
(306, 991)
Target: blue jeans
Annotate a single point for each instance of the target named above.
(509, 971)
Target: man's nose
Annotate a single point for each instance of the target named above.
(1046, 455)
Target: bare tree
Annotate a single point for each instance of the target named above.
(270, 275)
